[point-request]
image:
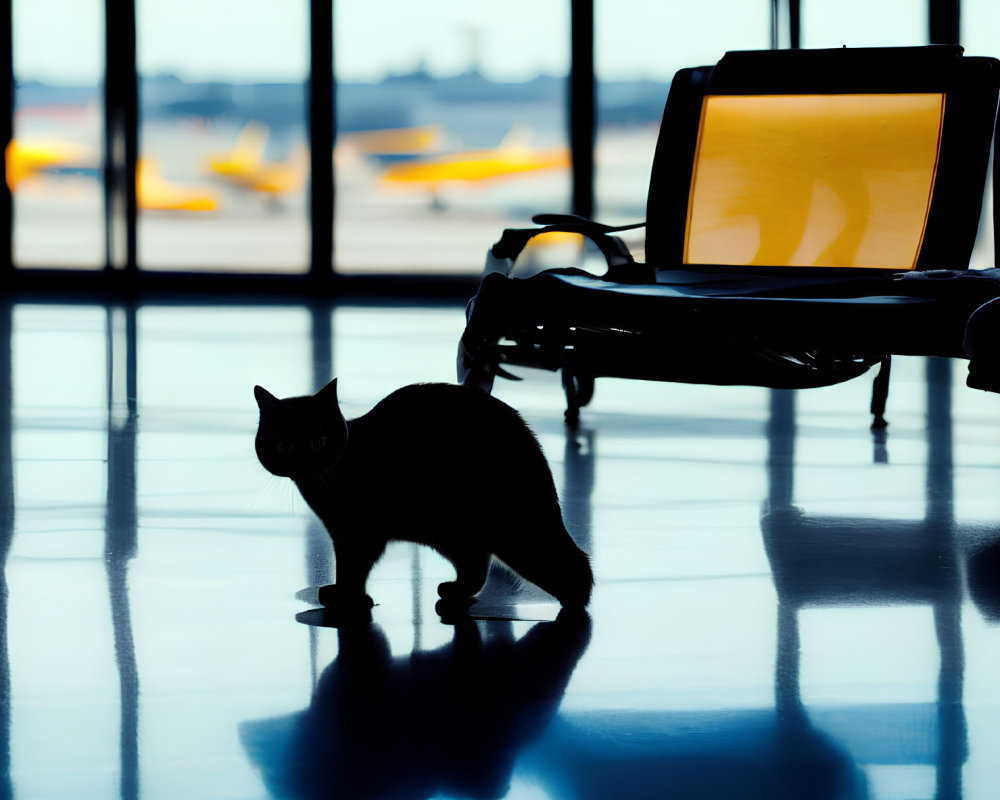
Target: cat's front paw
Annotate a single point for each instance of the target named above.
(333, 598)
(454, 610)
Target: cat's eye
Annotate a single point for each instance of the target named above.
(285, 448)
(319, 443)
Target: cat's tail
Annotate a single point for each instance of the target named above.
(576, 580)
(556, 565)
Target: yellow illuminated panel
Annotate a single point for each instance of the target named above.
(813, 180)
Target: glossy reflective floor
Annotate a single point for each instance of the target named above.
(784, 608)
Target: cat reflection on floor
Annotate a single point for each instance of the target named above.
(438, 464)
(451, 721)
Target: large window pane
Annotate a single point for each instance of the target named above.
(223, 168)
(53, 165)
(451, 125)
(639, 46)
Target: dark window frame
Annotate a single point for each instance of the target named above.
(121, 272)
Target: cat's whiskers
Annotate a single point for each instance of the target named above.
(277, 492)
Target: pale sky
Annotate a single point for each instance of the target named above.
(62, 40)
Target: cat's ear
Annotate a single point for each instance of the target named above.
(265, 400)
(328, 394)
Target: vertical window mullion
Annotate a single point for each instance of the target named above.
(321, 137)
(6, 135)
(786, 16)
(121, 135)
(582, 105)
(943, 21)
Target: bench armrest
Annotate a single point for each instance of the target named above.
(621, 266)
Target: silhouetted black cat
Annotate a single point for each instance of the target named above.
(438, 464)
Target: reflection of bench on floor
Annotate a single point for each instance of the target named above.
(731, 753)
(827, 561)
(799, 749)
(810, 213)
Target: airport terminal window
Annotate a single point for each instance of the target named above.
(451, 124)
(223, 150)
(54, 161)
(633, 80)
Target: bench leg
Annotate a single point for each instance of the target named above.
(579, 390)
(880, 393)
(472, 371)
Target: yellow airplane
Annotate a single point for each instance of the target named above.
(275, 178)
(244, 157)
(512, 158)
(157, 194)
(394, 141)
(26, 159)
(244, 165)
